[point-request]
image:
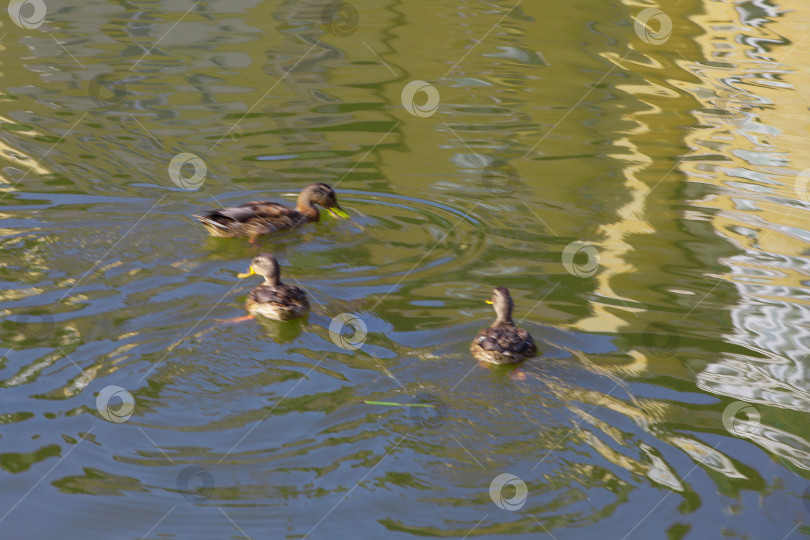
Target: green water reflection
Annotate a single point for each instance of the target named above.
(638, 187)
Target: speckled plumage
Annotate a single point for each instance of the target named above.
(251, 219)
(503, 342)
(257, 218)
(274, 299)
(281, 303)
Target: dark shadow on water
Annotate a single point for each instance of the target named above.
(282, 331)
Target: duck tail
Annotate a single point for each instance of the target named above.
(208, 222)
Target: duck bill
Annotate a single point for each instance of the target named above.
(338, 212)
(250, 272)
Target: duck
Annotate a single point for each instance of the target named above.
(256, 218)
(273, 299)
(503, 342)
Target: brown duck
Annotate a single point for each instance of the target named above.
(256, 218)
(273, 299)
(503, 342)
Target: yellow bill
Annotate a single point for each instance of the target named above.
(488, 301)
(250, 272)
(338, 212)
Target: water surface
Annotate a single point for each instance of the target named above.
(640, 189)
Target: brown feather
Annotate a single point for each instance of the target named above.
(503, 344)
(256, 218)
(252, 219)
(282, 303)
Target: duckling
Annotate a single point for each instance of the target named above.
(273, 299)
(256, 218)
(503, 342)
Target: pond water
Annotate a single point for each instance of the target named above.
(637, 175)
